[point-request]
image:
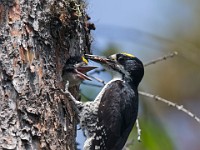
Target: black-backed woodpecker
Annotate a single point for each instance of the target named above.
(108, 120)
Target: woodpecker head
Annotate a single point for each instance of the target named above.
(75, 69)
(129, 67)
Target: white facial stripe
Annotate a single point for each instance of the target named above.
(114, 57)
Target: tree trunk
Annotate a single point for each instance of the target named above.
(36, 39)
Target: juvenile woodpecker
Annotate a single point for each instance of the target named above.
(108, 120)
(75, 69)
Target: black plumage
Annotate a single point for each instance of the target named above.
(117, 114)
(108, 120)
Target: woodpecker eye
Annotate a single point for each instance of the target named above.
(121, 58)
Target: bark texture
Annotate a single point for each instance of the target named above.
(36, 39)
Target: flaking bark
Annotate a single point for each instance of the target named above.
(36, 39)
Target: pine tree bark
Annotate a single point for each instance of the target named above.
(36, 39)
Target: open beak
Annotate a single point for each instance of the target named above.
(100, 59)
(81, 70)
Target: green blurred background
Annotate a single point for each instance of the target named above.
(150, 29)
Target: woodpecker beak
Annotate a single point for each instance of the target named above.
(81, 70)
(100, 59)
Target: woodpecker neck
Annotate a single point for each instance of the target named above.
(135, 77)
(117, 75)
(133, 82)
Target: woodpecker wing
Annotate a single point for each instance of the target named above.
(117, 114)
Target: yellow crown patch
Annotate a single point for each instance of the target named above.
(130, 55)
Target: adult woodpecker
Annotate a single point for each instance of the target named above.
(75, 69)
(108, 120)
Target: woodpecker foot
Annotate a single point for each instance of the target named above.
(77, 105)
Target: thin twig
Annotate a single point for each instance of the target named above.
(97, 71)
(138, 130)
(161, 59)
(169, 103)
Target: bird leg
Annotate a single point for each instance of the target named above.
(76, 105)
